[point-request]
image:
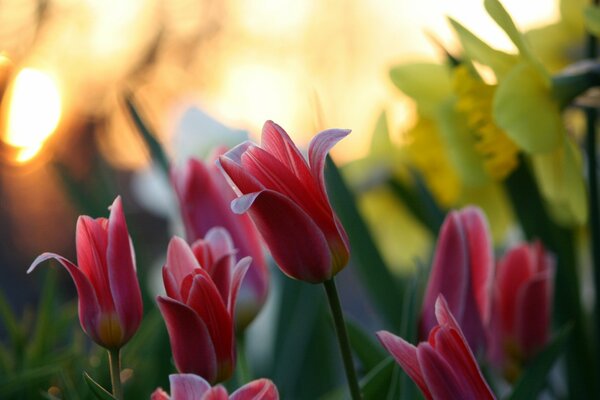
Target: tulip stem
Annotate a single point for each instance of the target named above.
(114, 359)
(243, 370)
(342, 335)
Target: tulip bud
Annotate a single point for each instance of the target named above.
(110, 301)
(287, 200)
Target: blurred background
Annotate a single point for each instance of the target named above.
(67, 144)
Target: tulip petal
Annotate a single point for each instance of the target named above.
(439, 375)
(277, 142)
(449, 274)
(91, 244)
(207, 303)
(481, 257)
(191, 344)
(260, 389)
(532, 319)
(88, 304)
(159, 394)
(124, 285)
(239, 271)
(215, 393)
(318, 148)
(187, 386)
(455, 348)
(295, 241)
(231, 164)
(406, 355)
(180, 262)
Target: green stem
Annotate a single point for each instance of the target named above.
(342, 335)
(114, 359)
(243, 370)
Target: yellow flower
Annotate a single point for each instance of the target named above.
(500, 154)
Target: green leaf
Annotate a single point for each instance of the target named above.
(13, 328)
(534, 377)
(526, 110)
(427, 83)
(98, 391)
(383, 287)
(379, 382)
(45, 331)
(592, 19)
(504, 20)
(477, 50)
(365, 346)
(156, 150)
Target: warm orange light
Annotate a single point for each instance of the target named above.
(34, 109)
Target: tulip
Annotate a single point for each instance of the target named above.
(204, 197)
(198, 310)
(110, 302)
(462, 271)
(444, 366)
(287, 199)
(193, 387)
(521, 310)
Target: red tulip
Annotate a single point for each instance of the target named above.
(198, 310)
(462, 271)
(110, 302)
(522, 300)
(443, 367)
(204, 197)
(287, 199)
(193, 387)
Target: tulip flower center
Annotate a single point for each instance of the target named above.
(475, 102)
(109, 330)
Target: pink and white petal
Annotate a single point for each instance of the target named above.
(239, 179)
(405, 354)
(533, 314)
(260, 389)
(239, 272)
(122, 276)
(207, 303)
(191, 344)
(481, 257)
(91, 242)
(318, 149)
(220, 272)
(180, 259)
(89, 309)
(276, 141)
(215, 393)
(450, 344)
(188, 386)
(220, 241)
(439, 376)
(449, 273)
(295, 241)
(159, 394)
(172, 287)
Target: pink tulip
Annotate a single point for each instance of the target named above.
(198, 310)
(110, 302)
(204, 198)
(522, 300)
(193, 387)
(443, 367)
(287, 199)
(462, 271)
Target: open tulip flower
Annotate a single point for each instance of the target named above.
(287, 199)
(462, 271)
(110, 302)
(198, 310)
(521, 311)
(193, 387)
(443, 367)
(204, 199)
